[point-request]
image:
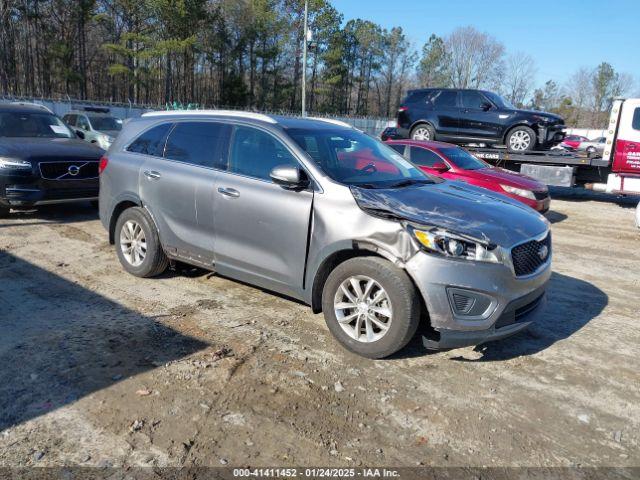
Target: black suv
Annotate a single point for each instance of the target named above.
(42, 161)
(476, 116)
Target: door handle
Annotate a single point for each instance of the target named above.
(229, 192)
(152, 175)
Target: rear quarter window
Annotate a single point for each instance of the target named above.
(151, 142)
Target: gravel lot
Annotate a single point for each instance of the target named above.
(103, 369)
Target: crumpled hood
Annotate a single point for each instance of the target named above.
(28, 148)
(456, 207)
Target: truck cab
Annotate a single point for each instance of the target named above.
(622, 148)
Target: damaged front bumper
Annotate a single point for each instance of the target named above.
(549, 135)
(475, 302)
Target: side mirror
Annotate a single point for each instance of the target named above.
(440, 167)
(289, 177)
(80, 134)
(486, 106)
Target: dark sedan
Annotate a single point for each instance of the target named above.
(42, 161)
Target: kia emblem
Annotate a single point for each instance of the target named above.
(543, 253)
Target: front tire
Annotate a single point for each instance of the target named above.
(521, 139)
(371, 306)
(138, 244)
(423, 132)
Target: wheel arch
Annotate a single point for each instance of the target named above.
(422, 121)
(121, 206)
(330, 262)
(532, 126)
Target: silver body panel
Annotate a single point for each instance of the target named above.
(279, 239)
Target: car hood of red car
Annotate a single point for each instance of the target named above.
(504, 177)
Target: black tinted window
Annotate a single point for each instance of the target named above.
(398, 148)
(151, 142)
(199, 143)
(424, 158)
(471, 99)
(636, 119)
(255, 153)
(416, 97)
(445, 99)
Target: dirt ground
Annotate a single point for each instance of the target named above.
(100, 368)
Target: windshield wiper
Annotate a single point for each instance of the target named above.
(408, 182)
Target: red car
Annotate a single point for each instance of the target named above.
(454, 163)
(573, 141)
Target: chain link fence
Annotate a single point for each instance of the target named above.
(371, 125)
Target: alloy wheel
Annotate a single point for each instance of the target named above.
(133, 243)
(421, 133)
(520, 141)
(363, 309)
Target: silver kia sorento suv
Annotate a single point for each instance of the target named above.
(318, 211)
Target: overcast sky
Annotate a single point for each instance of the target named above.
(561, 36)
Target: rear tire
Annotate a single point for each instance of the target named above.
(395, 318)
(521, 139)
(138, 244)
(423, 132)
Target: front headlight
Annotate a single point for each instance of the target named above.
(449, 244)
(105, 141)
(14, 164)
(521, 192)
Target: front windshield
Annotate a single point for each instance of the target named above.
(32, 124)
(105, 123)
(353, 158)
(499, 101)
(463, 159)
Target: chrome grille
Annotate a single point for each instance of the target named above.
(529, 257)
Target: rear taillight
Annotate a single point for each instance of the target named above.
(402, 109)
(104, 161)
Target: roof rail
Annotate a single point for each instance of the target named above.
(331, 120)
(225, 113)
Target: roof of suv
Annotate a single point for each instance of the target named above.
(283, 121)
(20, 107)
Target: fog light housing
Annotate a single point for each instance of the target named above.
(469, 304)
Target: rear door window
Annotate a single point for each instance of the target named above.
(152, 141)
(255, 153)
(424, 158)
(445, 99)
(204, 144)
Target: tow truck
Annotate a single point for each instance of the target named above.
(617, 171)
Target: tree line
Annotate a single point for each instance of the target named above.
(248, 54)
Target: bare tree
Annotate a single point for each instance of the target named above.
(476, 59)
(518, 77)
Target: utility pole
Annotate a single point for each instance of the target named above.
(304, 61)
